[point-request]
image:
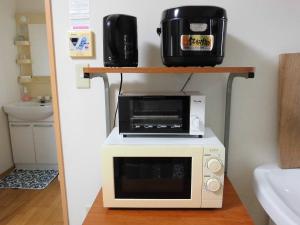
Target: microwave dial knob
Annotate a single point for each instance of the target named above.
(213, 185)
(214, 165)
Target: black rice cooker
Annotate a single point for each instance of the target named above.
(193, 36)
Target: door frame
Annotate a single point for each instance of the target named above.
(56, 115)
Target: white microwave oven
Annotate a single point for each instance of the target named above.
(165, 172)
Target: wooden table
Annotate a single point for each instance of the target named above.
(232, 213)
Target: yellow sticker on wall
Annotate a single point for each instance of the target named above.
(197, 42)
(81, 44)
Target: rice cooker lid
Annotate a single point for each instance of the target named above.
(194, 12)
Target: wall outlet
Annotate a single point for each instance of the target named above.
(81, 82)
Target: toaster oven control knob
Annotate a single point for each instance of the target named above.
(213, 185)
(214, 165)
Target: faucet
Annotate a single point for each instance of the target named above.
(43, 99)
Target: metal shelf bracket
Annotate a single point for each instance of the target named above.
(228, 111)
(106, 96)
(227, 107)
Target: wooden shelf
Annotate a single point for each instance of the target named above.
(24, 79)
(23, 61)
(170, 70)
(22, 43)
(233, 213)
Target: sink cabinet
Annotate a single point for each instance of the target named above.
(22, 142)
(44, 143)
(33, 145)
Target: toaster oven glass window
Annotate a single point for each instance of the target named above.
(152, 177)
(158, 114)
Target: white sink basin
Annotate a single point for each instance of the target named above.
(29, 111)
(278, 191)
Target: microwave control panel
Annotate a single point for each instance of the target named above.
(213, 177)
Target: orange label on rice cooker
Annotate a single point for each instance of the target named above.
(197, 42)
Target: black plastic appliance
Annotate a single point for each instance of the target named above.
(193, 35)
(151, 114)
(120, 48)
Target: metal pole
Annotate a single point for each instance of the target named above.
(107, 104)
(106, 95)
(227, 112)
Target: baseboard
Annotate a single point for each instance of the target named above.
(6, 172)
(36, 166)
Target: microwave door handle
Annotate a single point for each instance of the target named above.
(111, 24)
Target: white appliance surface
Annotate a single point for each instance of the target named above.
(208, 140)
(167, 93)
(207, 168)
(277, 190)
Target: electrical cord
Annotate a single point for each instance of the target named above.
(120, 89)
(186, 82)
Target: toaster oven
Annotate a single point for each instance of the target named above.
(162, 113)
(170, 172)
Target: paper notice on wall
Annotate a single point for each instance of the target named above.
(79, 14)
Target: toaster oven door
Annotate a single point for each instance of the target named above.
(154, 114)
(152, 177)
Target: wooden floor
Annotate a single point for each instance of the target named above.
(31, 207)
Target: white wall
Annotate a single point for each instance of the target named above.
(38, 52)
(257, 32)
(30, 6)
(9, 90)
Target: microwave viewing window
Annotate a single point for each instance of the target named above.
(152, 177)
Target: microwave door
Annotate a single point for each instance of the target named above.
(152, 177)
(158, 176)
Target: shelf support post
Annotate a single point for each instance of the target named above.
(106, 96)
(228, 111)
